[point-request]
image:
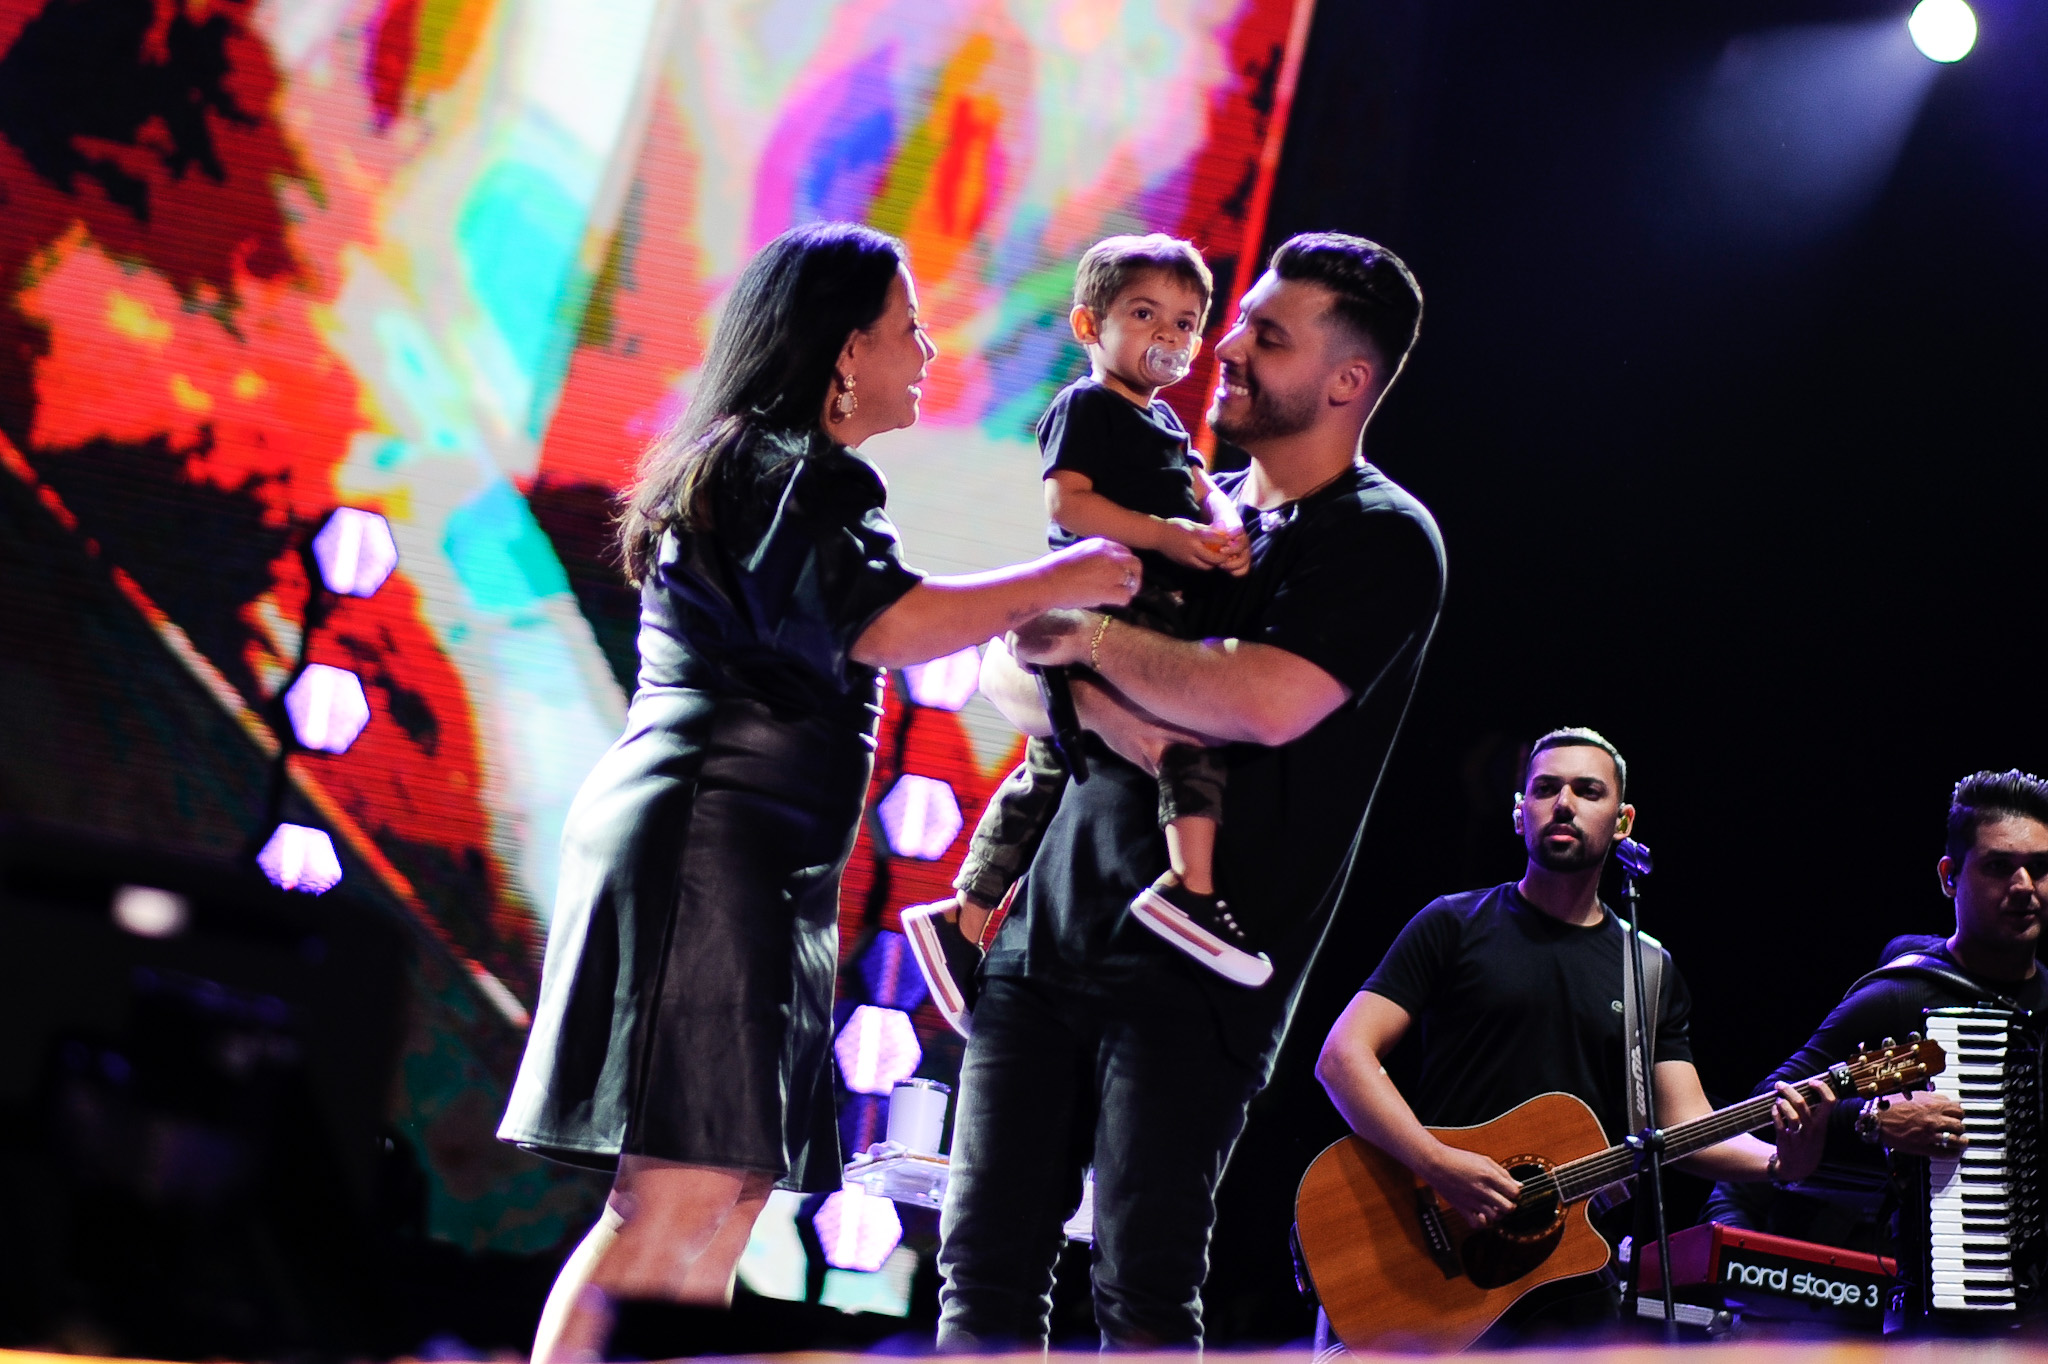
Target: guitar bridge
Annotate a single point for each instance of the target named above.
(1435, 1233)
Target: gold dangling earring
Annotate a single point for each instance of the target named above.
(845, 403)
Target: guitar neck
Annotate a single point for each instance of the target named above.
(1579, 1178)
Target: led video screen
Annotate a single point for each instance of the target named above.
(456, 261)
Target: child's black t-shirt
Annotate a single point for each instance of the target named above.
(1137, 457)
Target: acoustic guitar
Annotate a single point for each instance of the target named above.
(1397, 1269)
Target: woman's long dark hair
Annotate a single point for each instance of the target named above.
(769, 367)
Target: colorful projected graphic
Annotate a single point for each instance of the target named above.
(455, 261)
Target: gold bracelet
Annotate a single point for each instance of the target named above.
(1095, 644)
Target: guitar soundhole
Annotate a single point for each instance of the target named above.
(1522, 1240)
(1539, 1217)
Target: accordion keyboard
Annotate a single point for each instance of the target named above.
(1974, 1209)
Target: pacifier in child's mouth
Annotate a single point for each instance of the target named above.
(1167, 364)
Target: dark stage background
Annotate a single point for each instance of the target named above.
(1726, 400)
(1759, 498)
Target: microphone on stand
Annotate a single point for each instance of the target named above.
(1635, 860)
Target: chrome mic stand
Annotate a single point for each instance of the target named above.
(1648, 1143)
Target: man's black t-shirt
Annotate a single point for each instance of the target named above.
(1349, 578)
(1512, 1003)
(1137, 457)
(1895, 1006)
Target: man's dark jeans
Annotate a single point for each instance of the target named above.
(1053, 1078)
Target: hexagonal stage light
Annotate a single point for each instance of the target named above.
(892, 977)
(945, 683)
(876, 1048)
(857, 1229)
(921, 817)
(355, 552)
(299, 858)
(327, 708)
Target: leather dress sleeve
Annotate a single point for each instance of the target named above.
(825, 563)
(858, 554)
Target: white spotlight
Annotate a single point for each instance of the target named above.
(151, 913)
(1943, 30)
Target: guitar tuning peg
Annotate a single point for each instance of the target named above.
(1912, 1037)
(1888, 1044)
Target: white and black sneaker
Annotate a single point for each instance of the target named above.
(947, 961)
(1202, 927)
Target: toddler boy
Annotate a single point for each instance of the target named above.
(1117, 465)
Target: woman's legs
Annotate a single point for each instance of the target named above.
(667, 1231)
(709, 1282)
(577, 1319)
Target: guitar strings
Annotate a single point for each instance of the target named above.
(1576, 1179)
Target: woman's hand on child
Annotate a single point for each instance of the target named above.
(1095, 573)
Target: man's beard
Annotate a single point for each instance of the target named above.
(1269, 417)
(1581, 855)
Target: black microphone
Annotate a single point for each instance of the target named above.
(1633, 856)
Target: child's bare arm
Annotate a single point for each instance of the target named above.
(1223, 517)
(1071, 500)
(1221, 511)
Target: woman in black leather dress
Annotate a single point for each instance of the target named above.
(682, 1036)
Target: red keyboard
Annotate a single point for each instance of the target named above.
(1736, 1267)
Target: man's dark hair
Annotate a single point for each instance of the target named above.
(1111, 266)
(1376, 297)
(1987, 797)
(1578, 736)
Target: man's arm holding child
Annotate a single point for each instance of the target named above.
(1230, 689)
(1137, 737)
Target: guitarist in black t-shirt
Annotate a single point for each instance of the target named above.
(1993, 867)
(1517, 992)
